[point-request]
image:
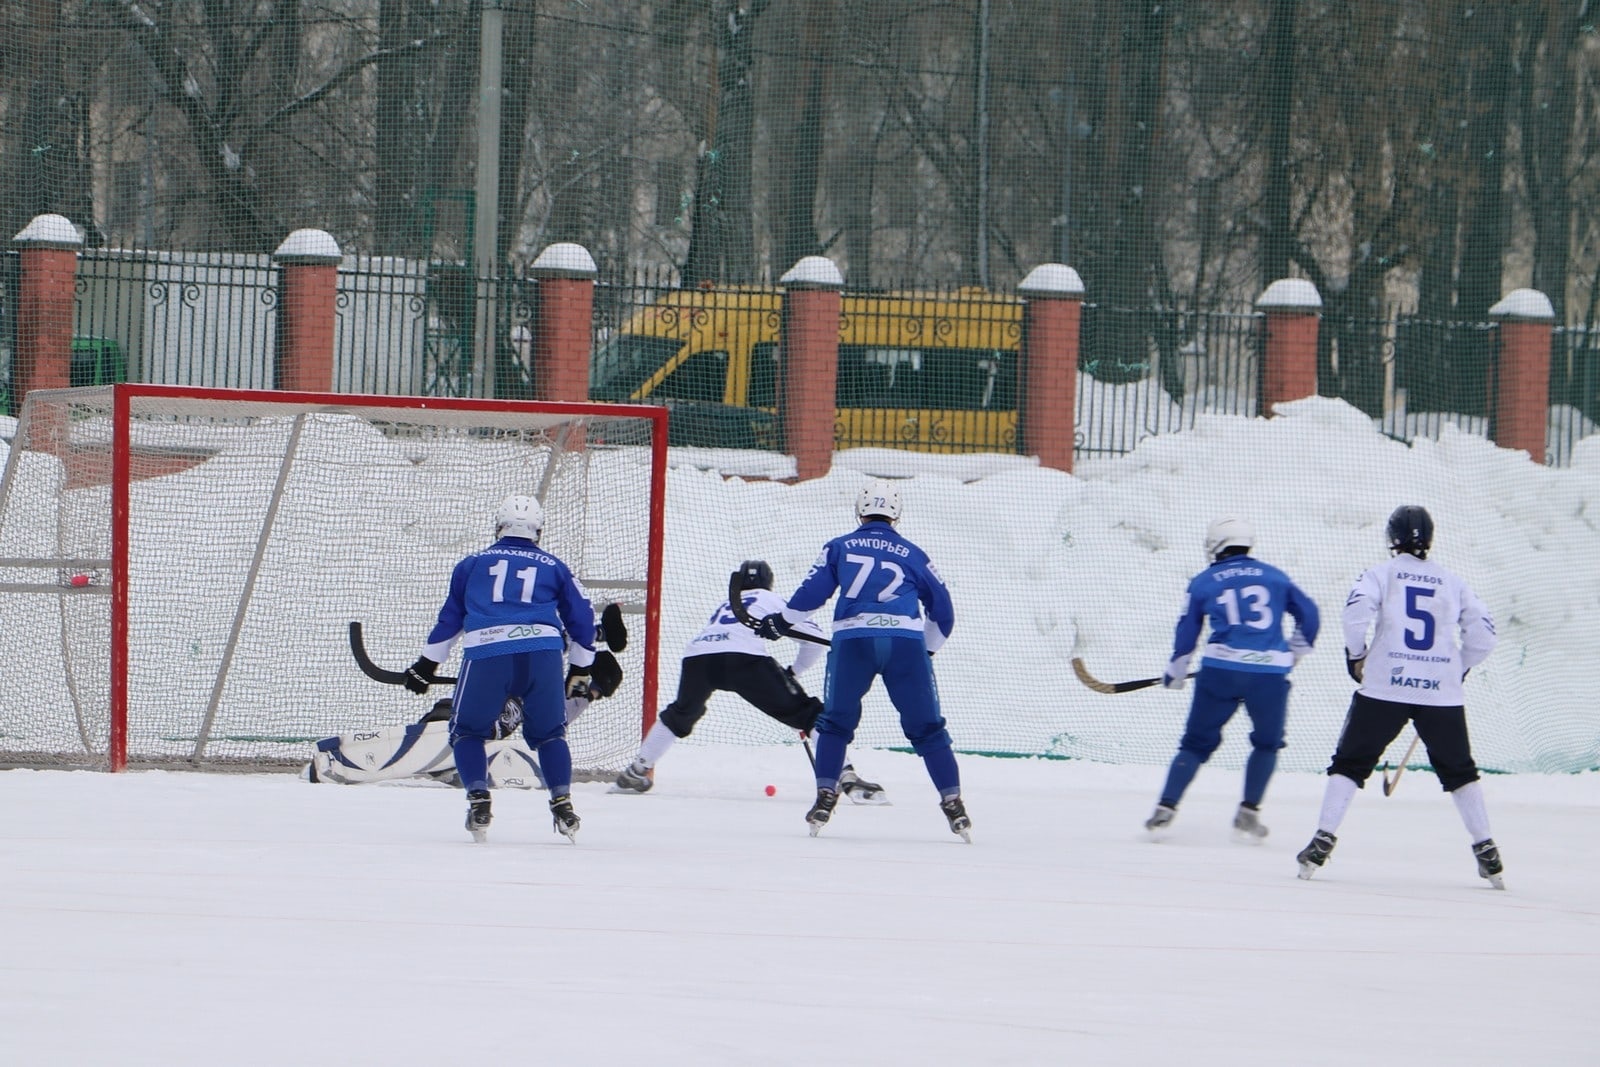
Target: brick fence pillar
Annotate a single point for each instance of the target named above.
(308, 287)
(563, 326)
(1293, 309)
(1047, 371)
(1520, 390)
(48, 249)
(808, 363)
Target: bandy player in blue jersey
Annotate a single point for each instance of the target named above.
(521, 615)
(892, 614)
(1246, 661)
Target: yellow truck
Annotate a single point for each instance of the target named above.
(931, 372)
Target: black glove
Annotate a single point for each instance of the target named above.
(1355, 666)
(577, 682)
(773, 627)
(612, 629)
(607, 673)
(420, 674)
(510, 720)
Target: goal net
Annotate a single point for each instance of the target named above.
(179, 567)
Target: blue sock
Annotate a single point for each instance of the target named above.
(1185, 765)
(471, 763)
(941, 765)
(830, 760)
(555, 760)
(1257, 771)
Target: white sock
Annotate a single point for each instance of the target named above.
(1469, 802)
(656, 743)
(1335, 802)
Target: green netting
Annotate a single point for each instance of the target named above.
(1414, 160)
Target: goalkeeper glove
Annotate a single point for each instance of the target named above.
(606, 672)
(1355, 666)
(577, 682)
(420, 674)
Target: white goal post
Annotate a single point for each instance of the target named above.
(179, 566)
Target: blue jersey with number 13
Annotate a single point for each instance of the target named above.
(1245, 600)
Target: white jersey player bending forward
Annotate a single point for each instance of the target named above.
(1411, 671)
(726, 655)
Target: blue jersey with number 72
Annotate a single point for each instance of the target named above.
(887, 588)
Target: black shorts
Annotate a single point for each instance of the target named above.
(758, 679)
(1372, 724)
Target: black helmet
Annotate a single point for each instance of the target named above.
(1411, 530)
(755, 574)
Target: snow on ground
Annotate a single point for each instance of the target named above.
(169, 918)
(174, 919)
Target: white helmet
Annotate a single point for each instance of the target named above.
(878, 497)
(519, 516)
(1228, 533)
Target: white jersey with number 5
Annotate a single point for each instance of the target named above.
(1428, 629)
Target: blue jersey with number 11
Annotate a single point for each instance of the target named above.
(512, 597)
(1245, 600)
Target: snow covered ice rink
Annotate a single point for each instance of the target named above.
(172, 918)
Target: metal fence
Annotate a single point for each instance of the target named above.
(1146, 373)
(202, 319)
(933, 370)
(1574, 390)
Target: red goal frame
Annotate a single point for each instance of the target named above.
(121, 472)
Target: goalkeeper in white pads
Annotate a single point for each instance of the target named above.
(1411, 671)
(423, 750)
(516, 609)
(727, 655)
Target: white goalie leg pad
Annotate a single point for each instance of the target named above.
(512, 765)
(384, 754)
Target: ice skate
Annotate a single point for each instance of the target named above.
(478, 815)
(1247, 825)
(956, 812)
(859, 790)
(1489, 865)
(563, 818)
(822, 810)
(635, 778)
(1315, 854)
(1160, 819)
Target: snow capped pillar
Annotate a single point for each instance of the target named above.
(48, 250)
(563, 322)
(1047, 368)
(308, 286)
(1293, 309)
(1519, 389)
(808, 363)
